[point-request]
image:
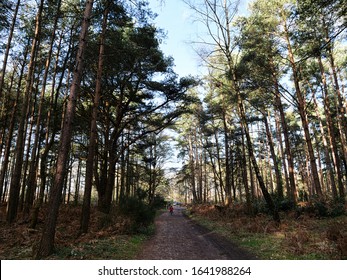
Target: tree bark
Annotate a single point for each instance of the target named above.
(192, 170)
(93, 132)
(33, 169)
(6, 158)
(342, 111)
(292, 193)
(279, 181)
(273, 209)
(245, 177)
(8, 47)
(46, 245)
(302, 111)
(227, 159)
(16, 176)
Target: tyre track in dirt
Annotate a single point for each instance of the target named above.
(179, 238)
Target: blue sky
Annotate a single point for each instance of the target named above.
(176, 18)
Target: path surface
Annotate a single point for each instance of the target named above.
(178, 238)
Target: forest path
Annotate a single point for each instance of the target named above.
(179, 238)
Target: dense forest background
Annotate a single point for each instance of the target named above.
(87, 98)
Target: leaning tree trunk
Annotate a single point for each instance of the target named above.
(303, 116)
(49, 140)
(7, 151)
(330, 127)
(93, 133)
(17, 172)
(33, 168)
(46, 244)
(342, 112)
(268, 199)
(329, 165)
(8, 47)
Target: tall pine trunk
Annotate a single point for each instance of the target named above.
(33, 169)
(227, 159)
(51, 121)
(331, 127)
(342, 111)
(279, 181)
(303, 115)
(328, 160)
(8, 47)
(7, 151)
(269, 201)
(46, 245)
(19, 153)
(93, 132)
(291, 193)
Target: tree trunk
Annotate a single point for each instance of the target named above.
(6, 159)
(273, 209)
(33, 169)
(27, 192)
(49, 141)
(279, 180)
(93, 132)
(192, 169)
(342, 112)
(220, 174)
(8, 48)
(292, 194)
(282, 153)
(331, 135)
(227, 160)
(245, 177)
(46, 245)
(16, 176)
(302, 111)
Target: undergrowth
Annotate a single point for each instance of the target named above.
(112, 236)
(297, 237)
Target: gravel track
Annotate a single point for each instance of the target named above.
(179, 238)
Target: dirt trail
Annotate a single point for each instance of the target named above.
(178, 238)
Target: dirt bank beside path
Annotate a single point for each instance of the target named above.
(179, 238)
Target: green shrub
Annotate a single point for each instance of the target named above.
(324, 208)
(285, 205)
(141, 214)
(158, 202)
(337, 209)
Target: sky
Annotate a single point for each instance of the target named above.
(177, 20)
(174, 17)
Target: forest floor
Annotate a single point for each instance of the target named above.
(108, 237)
(303, 237)
(207, 234)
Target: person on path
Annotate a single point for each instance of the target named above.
(171, 209)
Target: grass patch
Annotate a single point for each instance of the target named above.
(306, 238)
(120, 247)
